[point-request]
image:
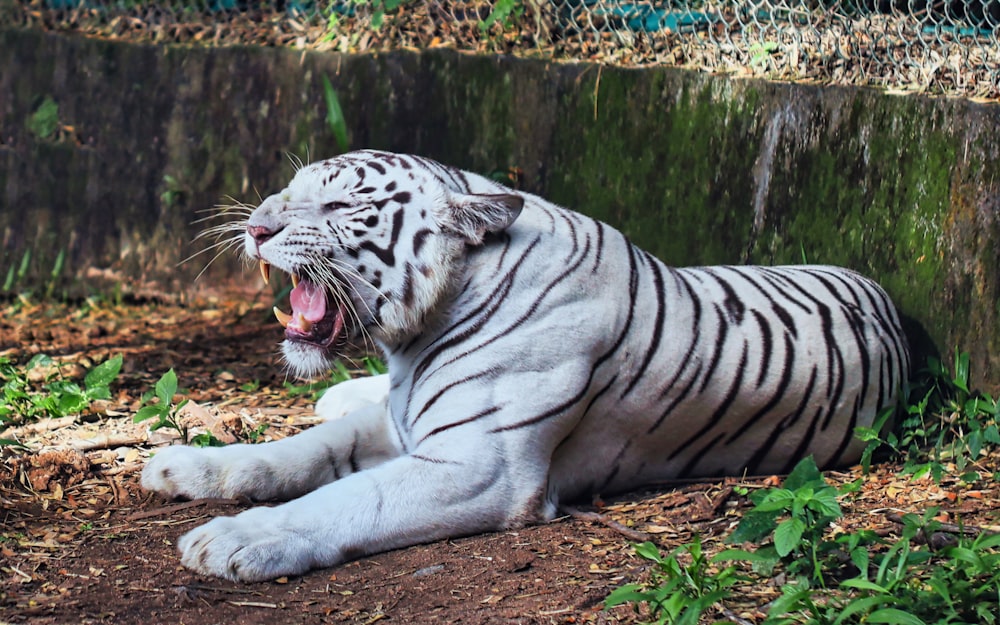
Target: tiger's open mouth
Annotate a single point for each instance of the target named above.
(315, 317)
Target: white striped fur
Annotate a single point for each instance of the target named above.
(535, 356)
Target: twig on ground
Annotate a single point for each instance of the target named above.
(184, 505)
(968, 530)
(46, 425)
(734, 617)
(125, 468)
(627, 532)
(253, 604)
(107, 441)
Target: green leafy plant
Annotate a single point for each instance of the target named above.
(796, 517)
(943, 422)
(159, 404)
(678, 594)
(22, 400)
(254, 435)
(205, 439)
(905, 585)
(504, 12)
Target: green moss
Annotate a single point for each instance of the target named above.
(651, 154)
(873, 195)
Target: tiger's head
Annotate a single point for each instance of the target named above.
(372, 241)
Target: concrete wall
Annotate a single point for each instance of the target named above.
(694, 167)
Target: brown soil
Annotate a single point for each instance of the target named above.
(80, 542)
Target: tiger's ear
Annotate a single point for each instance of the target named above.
(472, 216)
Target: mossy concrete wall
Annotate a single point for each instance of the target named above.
(694, 167)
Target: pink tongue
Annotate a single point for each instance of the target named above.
(309, 300)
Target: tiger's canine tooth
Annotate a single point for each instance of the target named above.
(283, 317)
(265, 271)
(295, 280)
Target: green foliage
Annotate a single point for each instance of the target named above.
(677, 594)
(374, 366)
(760, 52)
(943, 422)
(44, 122)
(380, 8)
(891, 582)
(15, 278)
(173, 191)
(335, 115)
(796, 516)
(504, 12)
(905, 585)
(23, 400)
(905, 582)
(205, 439)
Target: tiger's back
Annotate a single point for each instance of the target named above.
(647, 372)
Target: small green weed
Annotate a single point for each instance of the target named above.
(254, 435)
(159, 404)
(23, 400)
(205, 439)
(19, 277)
(44, 122)
(173, 192)
(250, 387)
(761, 52)
(677, 593)
(335, 115)
(15, 274)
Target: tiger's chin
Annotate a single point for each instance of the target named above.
(307, 360)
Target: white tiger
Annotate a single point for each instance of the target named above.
(535, 356)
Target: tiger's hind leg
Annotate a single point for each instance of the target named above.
(278, 470)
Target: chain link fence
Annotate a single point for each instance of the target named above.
(929, 46)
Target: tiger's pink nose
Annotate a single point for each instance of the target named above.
(261, 234)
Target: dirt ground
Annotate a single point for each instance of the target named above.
(80, 542)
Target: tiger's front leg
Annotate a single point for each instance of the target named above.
(411, 499)
(278, 470)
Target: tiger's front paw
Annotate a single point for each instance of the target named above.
(250, 547)
(181, 471)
